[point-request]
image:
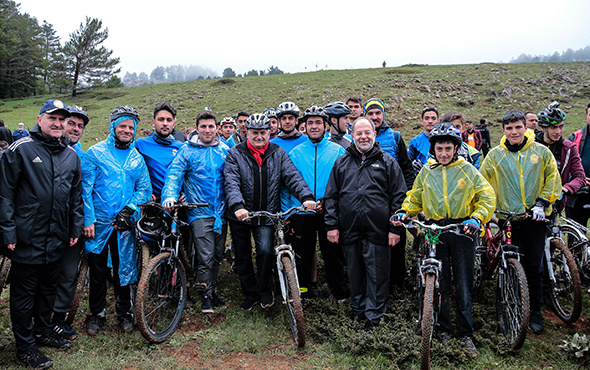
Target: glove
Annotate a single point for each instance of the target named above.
(538, 212)
(417, 165)
(398, 217)
(123, 219)
(472, 226)
(168, 203)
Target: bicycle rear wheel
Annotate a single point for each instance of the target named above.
(565, 293)
(4, 270)
(428, 321)
(512, 303)
(293, 302)
(81, 278)
(578, 245)
(161, 296)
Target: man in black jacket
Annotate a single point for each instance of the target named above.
(42, 215)
(254, 172)
(365, 188)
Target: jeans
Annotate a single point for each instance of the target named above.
(259, 285)
(209, 247)
(456, 252)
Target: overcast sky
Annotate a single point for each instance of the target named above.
(299, 35)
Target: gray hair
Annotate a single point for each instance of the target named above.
(362, 118)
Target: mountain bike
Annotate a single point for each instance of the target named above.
(497, 258)
(287, 271)
(429, 269)
(162, 289)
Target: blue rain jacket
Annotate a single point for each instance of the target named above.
(112, 179)
(200, 169)
(419, 148)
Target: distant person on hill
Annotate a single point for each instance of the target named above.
(486, 142)
(471, 136)
(227, 127)
(5, 133)
(271, 113)
(20, 132)
(356, 105)
(470, 154)
(240, 135)
(419, 149)
(339, 121)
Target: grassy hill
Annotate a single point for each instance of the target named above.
(478, 90)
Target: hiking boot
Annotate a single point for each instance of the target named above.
(96, 322)
(206, 305)
(470, 347)
(126, 324)
(248, 303)
(445, 338)
(52, 339)
(216, 301)
(536, 323)
(267, 302)
(34, 358)
(65, 331)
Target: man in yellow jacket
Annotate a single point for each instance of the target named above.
(450, 190)
(525, 177)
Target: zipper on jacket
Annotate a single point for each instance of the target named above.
(315, 169)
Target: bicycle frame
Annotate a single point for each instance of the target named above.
(499, 246)
(581, 232)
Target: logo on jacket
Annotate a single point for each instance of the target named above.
(534, 158)
(376, 165)
(461, 183)
(174, 151)
(37, 160)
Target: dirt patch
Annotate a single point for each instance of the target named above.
(582, 325)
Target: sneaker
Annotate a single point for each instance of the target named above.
(248, 304)
(206, 305)
(96, 322)
(216, 301)
(65, 331)
(126, 324)
(52, 339)
(470, 347)
(536, 323)
(445, 338)
(267, 302)
(34, 358)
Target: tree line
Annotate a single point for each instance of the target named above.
(33, 60)
(580, 55)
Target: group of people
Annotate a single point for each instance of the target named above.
(352, 172)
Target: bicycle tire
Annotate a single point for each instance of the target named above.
(144, 255)
(565, 294)
(577, 246)
(512, 303)
(81, 278)
(161, 295)
(4, 271)
(293, 302)
(428, 319)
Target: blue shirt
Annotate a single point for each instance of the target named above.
(419, 148)
(158, 157)
(288, 143)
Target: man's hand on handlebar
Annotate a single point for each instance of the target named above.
(398, 218)
(241, 214)
(310, 205)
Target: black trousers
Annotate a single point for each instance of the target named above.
(308, 229)
(397, 266)
(32, 294)
(99, 271)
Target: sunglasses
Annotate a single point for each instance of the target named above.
(513, 116)
(429, 109)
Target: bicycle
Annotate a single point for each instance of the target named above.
(287, 271)
(563, 287)
(497, 258)
(429, 269)
(162, 289)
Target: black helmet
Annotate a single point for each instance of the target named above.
(551, 115)
(337, 109)
(155, 222)
(78, 112)
(123, 112)
(446, 131)
(270, 112)
(287, 108)
(314, 111)
(258, 121)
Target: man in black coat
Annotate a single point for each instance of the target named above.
(365, 189)
(5, 133)
(254, 172)
(42, 215)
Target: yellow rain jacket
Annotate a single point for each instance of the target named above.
(456, 190)
(519, 178)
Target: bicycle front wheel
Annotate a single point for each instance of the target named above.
(293, 302)
(161, 296)
(565, 293)
(512, 303)
(428, 319)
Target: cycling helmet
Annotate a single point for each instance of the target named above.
(287, 108)
(79, 112)
(270, 112)
(258, 121)
(337, 109)
(229, 120)
(125, 111)
(446, 131)
(551, 115)
(155, 222)
(314, 111)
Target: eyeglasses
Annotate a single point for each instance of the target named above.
(512, 116)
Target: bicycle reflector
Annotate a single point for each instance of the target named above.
(155, 223)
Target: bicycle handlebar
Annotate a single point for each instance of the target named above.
(279, 215)
(409, 223)
(511, 215)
